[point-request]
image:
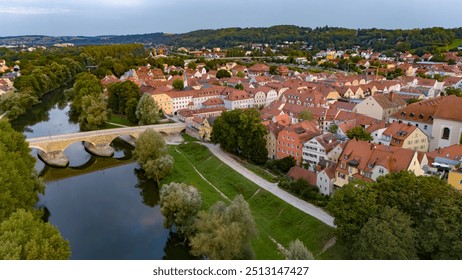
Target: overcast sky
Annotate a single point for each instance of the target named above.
(116, 17)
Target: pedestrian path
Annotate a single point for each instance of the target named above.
(302, 205)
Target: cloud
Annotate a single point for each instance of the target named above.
(32, 10)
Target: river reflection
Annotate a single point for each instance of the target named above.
(104, 217)
(105, 207)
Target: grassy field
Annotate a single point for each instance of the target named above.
(453, 45)
(258, 170)
(277, 221)
(120, 120)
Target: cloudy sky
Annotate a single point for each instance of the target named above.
(115, 17)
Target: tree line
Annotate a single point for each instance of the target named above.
(41, 72)
(401, 216)
(321, 37)
(242, 133)
(24, 231)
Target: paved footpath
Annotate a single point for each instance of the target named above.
(304, 206)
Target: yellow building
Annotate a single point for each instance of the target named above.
(405, 136)
(455, 179)
(164, 102)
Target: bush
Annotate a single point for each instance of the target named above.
(303, 190)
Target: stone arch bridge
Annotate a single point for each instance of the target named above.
(51, 148)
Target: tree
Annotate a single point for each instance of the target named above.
(151, 154)
(273, 70)
(251, 140)
(240, 74)
(282, 165)
(192, 65)
(306, 115)
(453, 91)
(159, 168)
(239, 86)
(130, 110)
(241, 132)
(222, 73)
(94, 112)
(19, 182)
(85, 84)
(434, 207)
(147, 111)
(389, 236)
(359, 133)
(178, 84)
(24, 237)
(298, 251)
(333, 128)
(352, 206)
(119, 94)
(16, 103)
(225, 232)
(180, 203)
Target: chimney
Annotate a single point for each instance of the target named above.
(439, 150)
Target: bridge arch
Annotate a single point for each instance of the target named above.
(38, 148)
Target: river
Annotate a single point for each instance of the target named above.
(103, 206)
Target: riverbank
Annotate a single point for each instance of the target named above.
(278, 222)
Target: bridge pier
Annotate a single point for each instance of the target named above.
(55, 158)
(103, 150)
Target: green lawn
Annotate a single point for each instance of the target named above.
(258, 170)
(453, 45)
(275, 219)
(120, 120)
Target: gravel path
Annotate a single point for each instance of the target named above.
(304, 206)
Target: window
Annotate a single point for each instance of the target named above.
(460, 182)
(381, 171)
(446, 132)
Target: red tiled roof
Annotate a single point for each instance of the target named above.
(301, 173)
(453, 152)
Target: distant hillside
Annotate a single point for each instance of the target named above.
(319, 38)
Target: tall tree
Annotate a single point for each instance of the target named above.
(298, 251)
(151, 154)
(241, 132)
(352, 207)
(178, 84)
(389, 236)
(85, 84)
(25, 237)
(222, 73)
(147, 110)
(434, 207)
(359, 133)
(180, 203)
(306, 115)
(159, 168)
(225, 232)
(120, 93)
(19, 182)
(94, 112)
(130, 110)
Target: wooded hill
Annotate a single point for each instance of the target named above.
(318, 38)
